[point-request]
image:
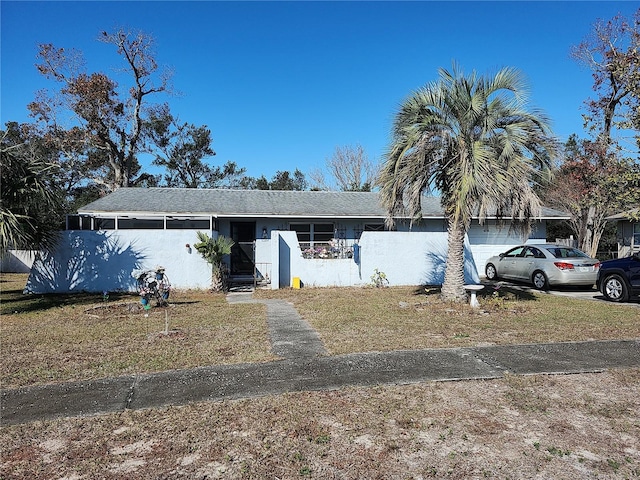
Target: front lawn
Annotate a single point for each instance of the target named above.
(55, 338)
(381, 319)
(541, 426)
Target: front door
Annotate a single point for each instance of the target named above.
(242, 252)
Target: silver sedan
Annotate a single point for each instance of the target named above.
(544, 266)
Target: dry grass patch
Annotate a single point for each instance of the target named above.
(49, 338)
(577, 426)
(382, 319)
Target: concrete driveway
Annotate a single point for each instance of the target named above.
(573, 292)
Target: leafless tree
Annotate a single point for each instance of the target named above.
(350, 170)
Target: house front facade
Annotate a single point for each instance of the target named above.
(628, 232)
(281, 238)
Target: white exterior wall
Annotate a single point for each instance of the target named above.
(263, 259)
(17, 261)
(488, 240)
(97, 261)
(313, 272)
(406, 258)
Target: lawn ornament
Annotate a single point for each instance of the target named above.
(153, 284)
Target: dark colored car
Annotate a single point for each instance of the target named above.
(619, 279)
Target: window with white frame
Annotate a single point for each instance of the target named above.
(87, 222)
(193, 223)
(134, 223)
(312, 233)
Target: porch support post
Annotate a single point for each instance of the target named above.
(274, 243)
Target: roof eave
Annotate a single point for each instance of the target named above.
(147, 214)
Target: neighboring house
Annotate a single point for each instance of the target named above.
(320, 238)
(628, 232)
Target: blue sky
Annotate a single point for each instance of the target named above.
(282, 84)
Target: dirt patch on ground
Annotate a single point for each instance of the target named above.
(538, 427)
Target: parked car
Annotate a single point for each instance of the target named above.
(619, 279)
(544, 266)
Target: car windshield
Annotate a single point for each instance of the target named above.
(566, 252)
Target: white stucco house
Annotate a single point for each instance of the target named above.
(318, 238)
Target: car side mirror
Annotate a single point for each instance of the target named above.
(501, 255)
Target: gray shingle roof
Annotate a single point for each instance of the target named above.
(628, 215)
(253, 203)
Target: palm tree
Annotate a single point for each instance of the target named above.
(31, 203)
(472, 140)
(213, 250)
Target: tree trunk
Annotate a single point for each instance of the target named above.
(219, 279)
(217, 283)
(453, 286)
(594, 229)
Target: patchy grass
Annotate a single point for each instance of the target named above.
(382, 319)
(51, 338)
(577, 426)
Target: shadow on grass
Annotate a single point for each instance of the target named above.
(28, 303)
(428, 290)
(490, 290)
(509, 292)
(16, 292)
(12, 301)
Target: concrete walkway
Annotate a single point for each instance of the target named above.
(305, 366)
(291, 337)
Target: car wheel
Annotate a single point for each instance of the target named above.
(615, 289)
(539, 280)
(490, 272)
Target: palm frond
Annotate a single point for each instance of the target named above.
(475, 140)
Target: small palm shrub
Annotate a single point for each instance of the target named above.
(213, 251)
